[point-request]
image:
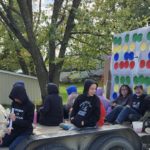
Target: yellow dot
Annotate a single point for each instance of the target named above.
(125, 47)
(116, 88)
(104, 87)
(103, 95)
(121, 85)
(115, 49)
(119, 48)
(148, 90)
(133, 88)
(143, 86)
(132, 47)
(143, 46)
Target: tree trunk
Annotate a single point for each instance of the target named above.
(32, 69)
(22, 62)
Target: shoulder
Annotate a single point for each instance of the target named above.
(96, 98)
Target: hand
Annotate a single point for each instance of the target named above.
(114, 104)
(71, 109)
(82, 123)
(12, 116)
(1, 141)
(8, 130)
(127, 105)
(72, 118)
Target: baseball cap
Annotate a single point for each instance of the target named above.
(138, 86)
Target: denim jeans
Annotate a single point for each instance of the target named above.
(124, 114)
(12, 141)
(112, 116)
(66, 112)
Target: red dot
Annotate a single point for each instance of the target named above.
(148, 64)
(116, 65)
(142, 63)
(126, 64)
(132, 64)
(121, 65)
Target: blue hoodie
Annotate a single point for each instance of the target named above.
(24, 112)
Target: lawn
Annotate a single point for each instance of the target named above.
(63, 92)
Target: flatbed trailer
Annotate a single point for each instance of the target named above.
(108, 137)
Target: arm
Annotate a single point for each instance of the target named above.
(95, 115)
(29, 118)
(129, 101)
(46, 107)
(115, 101)
(68, 105)
(142, 108)
(75, 108)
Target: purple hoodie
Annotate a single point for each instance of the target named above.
(105, 101)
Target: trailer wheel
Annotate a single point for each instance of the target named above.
(111, 142)
(55, 146)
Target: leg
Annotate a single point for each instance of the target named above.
(17, 141)
(7, 140)
(113, 114)
(134, 117)
(124, 114)
(73, 127)
(66, 112)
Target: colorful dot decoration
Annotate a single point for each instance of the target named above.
(117, 40)
(127, 80)
(149, 55)
(126, 64)
(137, 37)
(116, 66)
(126, 56)
(116, 88)
(119, 48)
(135, 80)
(143, 46)
(132, 64)
(121, 65)
(148, 64)
(131, 56)
(114, 95)
(148, 90)
(133, 88)
(141, 80)
(115, 49)
(116, 57)
(127, 38)
(142, 64)
(132, 47)
(125, 47)
(148, 36)
(116, 79)
(122, 80)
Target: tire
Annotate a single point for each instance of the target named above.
(111, 142)
(55, 146)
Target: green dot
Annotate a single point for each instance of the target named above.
(127, 38)
(141, 79)
(119, 40)
(134, 37)
(115, 40)
(147, 81)
(135, 80)
(116, 79)
(122, 80)
(140, 37)
(148, 36)
(127, 80)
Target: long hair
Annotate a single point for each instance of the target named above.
(128, 88)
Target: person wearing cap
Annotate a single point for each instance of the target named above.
(125, 98)
(138, 106)
(72, 92)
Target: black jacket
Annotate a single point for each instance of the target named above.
(139, 105)
(52, 112)
(86, 108)
(24, 112)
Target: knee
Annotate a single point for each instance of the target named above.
(126, 108)
(119, 107)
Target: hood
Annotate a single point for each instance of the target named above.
(52, 88)
(87, 84)
(99, 91)
(71, 89)
(18, 92)
(19, 83)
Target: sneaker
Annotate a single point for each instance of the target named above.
(64, 126)
(147, 130)
(115, 123)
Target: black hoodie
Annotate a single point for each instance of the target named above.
(86, 108)
(139, 105)
(24, 112)
(52, 112)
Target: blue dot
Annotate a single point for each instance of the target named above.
(131, 56)
(114, 95)
(126, 56)
(149, 55)
(116, 57)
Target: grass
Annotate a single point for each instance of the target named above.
(63, 92)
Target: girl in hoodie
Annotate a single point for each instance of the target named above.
(22, 118)
(125, 98)
(3, 123)
(86, 109)
(52, 110)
